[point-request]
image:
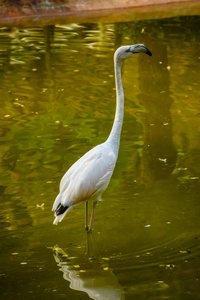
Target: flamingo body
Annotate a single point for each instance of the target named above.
(87, 178)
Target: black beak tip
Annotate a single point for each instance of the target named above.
(149, 52)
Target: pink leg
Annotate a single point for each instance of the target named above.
(92, 216)
(86, 216)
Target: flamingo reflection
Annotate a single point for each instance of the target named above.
(90, 274)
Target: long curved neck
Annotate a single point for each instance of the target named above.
(115, 133)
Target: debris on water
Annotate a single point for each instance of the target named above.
(40, 206)
(168, 266)
(185, 251)
(18, 104)
(162, 159)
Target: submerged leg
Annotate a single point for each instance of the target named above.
(86, 215)
(92, 216)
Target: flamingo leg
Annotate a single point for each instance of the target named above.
(92, 216)
(86, 215)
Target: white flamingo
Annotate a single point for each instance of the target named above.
(90, 175)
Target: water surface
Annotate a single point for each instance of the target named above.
(57, 102)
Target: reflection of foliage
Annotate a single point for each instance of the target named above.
(59, 101)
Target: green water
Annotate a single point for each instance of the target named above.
(57, 102)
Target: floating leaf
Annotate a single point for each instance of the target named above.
(184, 251)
